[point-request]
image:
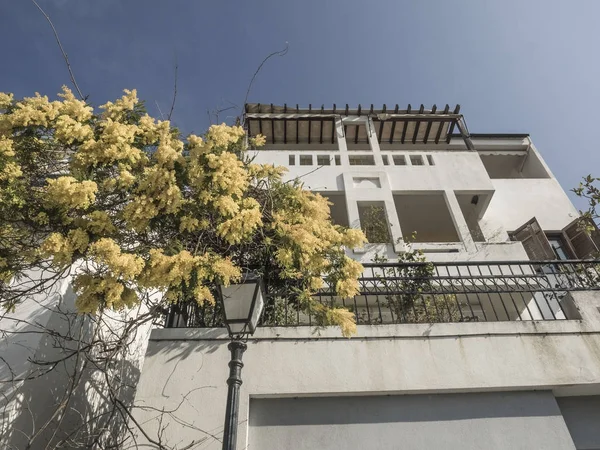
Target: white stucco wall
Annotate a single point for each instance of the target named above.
(516, 201)
(185, 369)
(505, 204)
(491, 421)
(44, 329)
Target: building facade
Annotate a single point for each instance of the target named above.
(491, 339)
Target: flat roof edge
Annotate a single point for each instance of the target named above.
(495, 135)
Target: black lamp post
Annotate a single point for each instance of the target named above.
(242, 306)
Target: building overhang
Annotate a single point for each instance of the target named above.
(294, 125)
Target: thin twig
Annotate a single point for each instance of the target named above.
(174, 93)
(62, 50)
(279, 53)
(162, 116)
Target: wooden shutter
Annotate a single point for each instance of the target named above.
(534, 240)
(583, 244)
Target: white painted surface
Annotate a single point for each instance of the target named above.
(505, 204)
(491, 421)
(186, 369)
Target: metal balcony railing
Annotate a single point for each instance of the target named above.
(393, 293)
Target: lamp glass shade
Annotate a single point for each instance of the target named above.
(242, 304)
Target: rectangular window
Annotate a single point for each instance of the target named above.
(386, 162)
(361, 160)
(338, 162)
(416, 160)
(399, 160)
(426, 216)
(323, 160)
(337, 207)
(430, 160)
(292, 160)
(527, 165)
(306, 160)
(373, 221)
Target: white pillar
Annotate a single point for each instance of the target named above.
(341, 139)
(374, 142)
(459, 221)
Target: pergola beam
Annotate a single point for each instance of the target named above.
(405, 127)
(428, 129)
(441, 127)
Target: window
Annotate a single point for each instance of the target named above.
(399, 160)
(571, 242)
(386, 162)
(534, 241)
(427, 216)
(373, 221)
(337, 207)
(416, 160)
(558, 245)
(323, 160)
(511, 166)
(306, 160)
(430, 160)
(361, 160)
(337, 160)
(292, 160)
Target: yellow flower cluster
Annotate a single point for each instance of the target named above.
(164, 271)
(347, 286)
(121, 106)
(34, 111)
(157, 192)
(113, 146)
(62, 248)
(95, 292)
(68, 193)
(100, 223)
(74, 108)
(147, 214)
(221, 136)
(6, 147)
(243, 224)
(69, 130)
(188, 224)
(10, 172)
(228, 174)
(344, 319)
(5, 100)
(269, 171)
(121, 265)
(258, 141)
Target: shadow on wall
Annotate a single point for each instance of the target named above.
(169, 403)
(60, 397)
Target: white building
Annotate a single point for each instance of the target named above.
(499, 349)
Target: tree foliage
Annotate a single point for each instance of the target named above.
(129, 205)
(589, 191)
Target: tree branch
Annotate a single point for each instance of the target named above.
(62, 50)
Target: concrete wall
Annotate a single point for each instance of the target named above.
(47, 329)
(505, 204)
(582, 415)
(518, 200)
(185, 369)
(492, 421)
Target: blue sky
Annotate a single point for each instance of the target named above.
(513, 65)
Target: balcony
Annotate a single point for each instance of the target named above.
(400, 293)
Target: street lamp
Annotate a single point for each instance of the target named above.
(242, 306)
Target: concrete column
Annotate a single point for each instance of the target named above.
(374, 142)
(459, 221)
(342, 147)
